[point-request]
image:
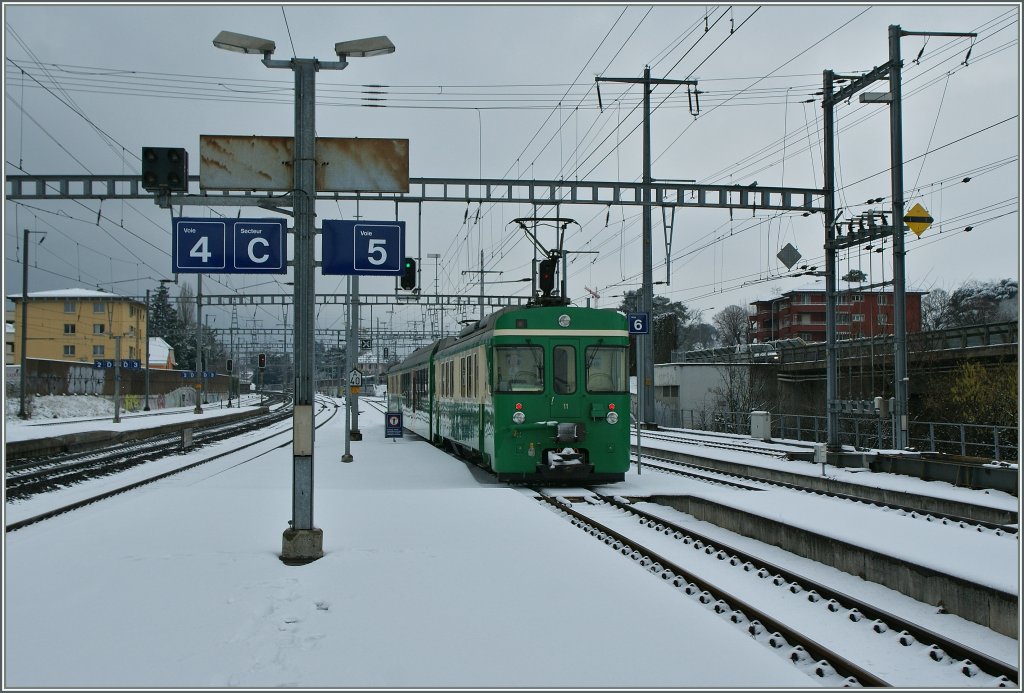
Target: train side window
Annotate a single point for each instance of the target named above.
(564, 369)
(606, 369)
(518, 369)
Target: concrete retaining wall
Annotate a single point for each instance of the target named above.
(983, 605)
(819, 483)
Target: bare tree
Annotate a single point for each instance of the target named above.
(733, 324)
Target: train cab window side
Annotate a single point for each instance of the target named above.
(606, 369)
(564, 369)
(518, 369)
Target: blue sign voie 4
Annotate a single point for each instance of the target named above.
(228, 246)
(363, 247)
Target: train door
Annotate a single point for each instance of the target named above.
(565, 380)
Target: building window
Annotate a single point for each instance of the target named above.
(97, 350)
(69, 328)
(844, 299)
(131, 352)
(857, 298)
(842, 318)
(98, 328)
(99, 307)
(131, 330)
(883, 319)
(69, 349)
(858, 317)
(883, 299)
(69, 306)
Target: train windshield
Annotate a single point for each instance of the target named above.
(518, 369)
(606, 369)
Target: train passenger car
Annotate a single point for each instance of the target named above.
(538, 393)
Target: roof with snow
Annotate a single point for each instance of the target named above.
(818, 286)
(73, 293)
(159, 350)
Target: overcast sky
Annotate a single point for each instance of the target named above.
(508, 92)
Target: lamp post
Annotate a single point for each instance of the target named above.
(302, 542)
(22, 413)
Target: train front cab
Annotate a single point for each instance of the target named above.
(561, 403)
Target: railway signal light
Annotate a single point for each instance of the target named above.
(262, 360)
(409, 273)
(547, 275)
(164, 169)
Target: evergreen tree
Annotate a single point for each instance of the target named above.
(669, 320)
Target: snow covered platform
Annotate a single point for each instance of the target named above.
(433, 576)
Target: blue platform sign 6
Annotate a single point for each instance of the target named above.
(639, 323)
(229, 246)
(363, 247)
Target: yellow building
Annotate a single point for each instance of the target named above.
(79, 325)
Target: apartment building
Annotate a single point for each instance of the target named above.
(800, 312)
(78, 325)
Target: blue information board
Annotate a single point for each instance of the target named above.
(126, 364)
(363, 247)
(393, 424)
(228, 246)
(639, 323)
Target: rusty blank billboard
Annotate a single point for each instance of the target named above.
(343, 164)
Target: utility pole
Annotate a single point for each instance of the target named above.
(892, 72)
(481, 272)
(22, 414)
(117, 378)
(355, 434)
(645, 346)
(199, 345)
(145, 407)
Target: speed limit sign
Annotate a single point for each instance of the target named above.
(638, 323)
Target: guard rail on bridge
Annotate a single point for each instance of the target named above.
(997, 336)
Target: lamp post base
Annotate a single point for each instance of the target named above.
(302, 546)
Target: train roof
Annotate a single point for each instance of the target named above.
(505, 318)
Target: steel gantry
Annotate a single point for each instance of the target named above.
(490, 190)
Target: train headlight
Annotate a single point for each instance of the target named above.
(612, 417)
(519, 417)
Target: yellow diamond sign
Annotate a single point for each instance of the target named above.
(918, 219)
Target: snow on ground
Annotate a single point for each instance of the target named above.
(433, 576)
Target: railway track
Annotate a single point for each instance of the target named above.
(328, 406)
(703, 441)
(27, 477)
(710, 473)
(809, 623)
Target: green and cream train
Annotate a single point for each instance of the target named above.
(535, 394)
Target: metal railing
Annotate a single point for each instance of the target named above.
(865, 432)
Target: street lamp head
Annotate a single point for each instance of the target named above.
(240, 43)
(364, 48)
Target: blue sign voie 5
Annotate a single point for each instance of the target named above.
(228, 246)
(363, 247)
